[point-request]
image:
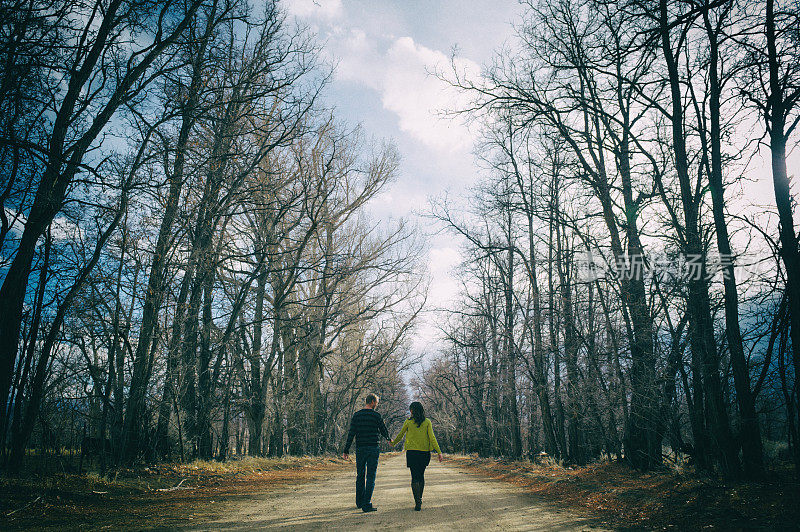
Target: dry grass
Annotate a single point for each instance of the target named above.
(666, 500)
(147, 497)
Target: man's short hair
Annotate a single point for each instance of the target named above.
(371, 398)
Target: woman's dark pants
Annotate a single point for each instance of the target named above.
(417, 461)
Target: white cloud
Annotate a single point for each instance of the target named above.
(401, 74)
(64, 229)
(324, 9)
(444, 287)
(442, 294)
(356, 56)
(442, 260)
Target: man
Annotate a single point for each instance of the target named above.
(366, 426)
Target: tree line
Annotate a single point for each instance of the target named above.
(620, 296)
(189, 265)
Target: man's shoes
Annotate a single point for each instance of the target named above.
(369, 508)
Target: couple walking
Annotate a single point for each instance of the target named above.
(366, 427)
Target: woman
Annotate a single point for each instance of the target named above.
(420, 441)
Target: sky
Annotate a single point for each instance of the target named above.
(384, 52)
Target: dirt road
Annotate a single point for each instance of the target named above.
(454, 500)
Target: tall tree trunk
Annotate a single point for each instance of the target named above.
(257, 399)
(205, 393)
(790, 252)
(509, 349)
(158, 268)
(16, 423)
(749, 432)
(575, 433)
(554, 349)
(540, 384)
(701, 326)
(278, 394)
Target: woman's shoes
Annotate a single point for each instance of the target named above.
(416, 489)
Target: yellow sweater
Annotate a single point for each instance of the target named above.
(418, 438)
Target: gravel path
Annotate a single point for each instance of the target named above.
(454, 500)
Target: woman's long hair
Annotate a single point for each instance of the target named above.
(417, 413)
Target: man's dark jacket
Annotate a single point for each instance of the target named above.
(366, 427)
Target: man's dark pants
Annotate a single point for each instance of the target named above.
(366, 462)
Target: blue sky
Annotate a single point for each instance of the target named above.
(384, 52)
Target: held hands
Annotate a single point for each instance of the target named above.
(346, 456)
(440, 457)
